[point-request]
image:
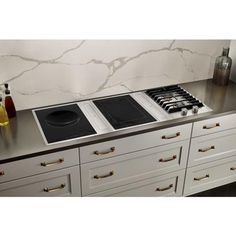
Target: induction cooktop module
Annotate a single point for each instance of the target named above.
(63, 123)
(123, 111)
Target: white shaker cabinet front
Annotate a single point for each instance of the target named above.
(210, 175)
(65, 182)
(117, 147)
(125, 169)
(38, 165)
(212, 147)
(212, 156)
(55, 174)
(160, 186)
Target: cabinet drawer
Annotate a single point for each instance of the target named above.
(210, 175)
(39, 164)
(64, 182)
(212, 147)
(121, 170)
(164, 185)
(134, 143)
(213, 125)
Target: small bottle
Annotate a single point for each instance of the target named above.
(9, 104)
(3, 115)
(222, 68)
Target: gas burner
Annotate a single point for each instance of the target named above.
(173, 98)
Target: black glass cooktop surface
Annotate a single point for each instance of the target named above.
(123, 111)
(63, 123)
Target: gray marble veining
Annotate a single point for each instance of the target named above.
(46, 72)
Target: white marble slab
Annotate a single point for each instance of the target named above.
(46, 72)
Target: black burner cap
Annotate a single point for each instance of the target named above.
(62, 118)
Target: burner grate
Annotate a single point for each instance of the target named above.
(173, 98)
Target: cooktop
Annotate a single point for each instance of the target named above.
(123, 111)
(63, 122)
(101, 116)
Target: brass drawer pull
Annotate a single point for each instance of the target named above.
(233, 168)
(44, 164)
(2, 173)
(206, 149)
(112, 149)
(103, 176)
(171, 136)
(49, 190)
(211, 126)
(202, 178)
(168, 159)
(164, 189)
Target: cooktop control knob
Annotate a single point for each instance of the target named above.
(195, 109)
(184, 111)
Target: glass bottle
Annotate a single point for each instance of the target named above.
(222, 68)
(3, 115)
(9, 104)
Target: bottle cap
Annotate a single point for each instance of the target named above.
(7, 92)
(225, 51)
(6, 86)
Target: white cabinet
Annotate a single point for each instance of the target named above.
(100, 151)
(212, 147)
(55, 174)
(213, 125)
(165, 185)
(210, 175)
(121, 170)
(37, 165)
(65, 182)
(212, 156)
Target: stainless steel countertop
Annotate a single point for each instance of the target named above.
(22, 138)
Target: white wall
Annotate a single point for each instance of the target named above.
(49, 72)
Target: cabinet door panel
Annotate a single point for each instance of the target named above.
(213, 125)
(64, 182)
(164, 185)
(210, 175)
(212, 147)
(134, 143)
(38, 165)
(121, 170)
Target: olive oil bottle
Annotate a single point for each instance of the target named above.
(3, 115)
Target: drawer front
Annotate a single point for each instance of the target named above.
(64, 182)
(210, 175)
(134, 143)
(38, 165)
(212, 147)
(125, 169)
(164, 185)
(213, 125)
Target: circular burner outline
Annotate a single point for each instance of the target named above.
(62, 118)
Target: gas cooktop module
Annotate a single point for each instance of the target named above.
(176, 100)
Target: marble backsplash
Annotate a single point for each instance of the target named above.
(46, 72)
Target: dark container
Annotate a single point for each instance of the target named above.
(222, 68)
(9, 105)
